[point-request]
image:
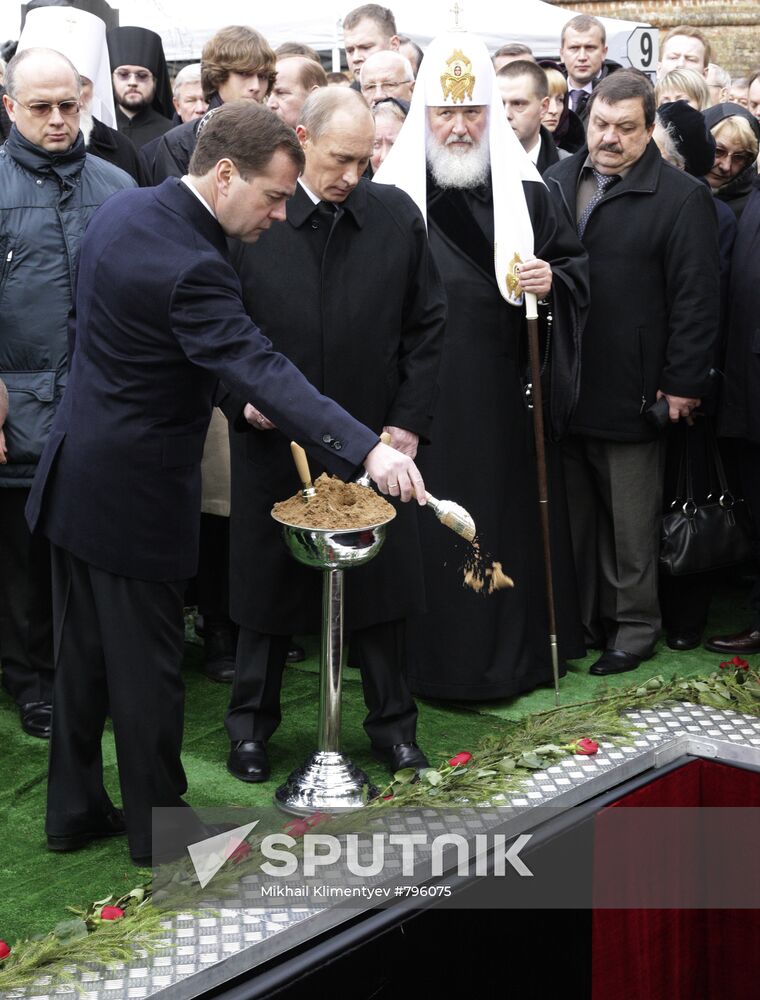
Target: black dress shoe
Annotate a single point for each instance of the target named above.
(682, 641)
(614, 661)
(110, 825)
(747, 641)
(219, 646)
(220, 669)
(401, 755)
(249, 761)
(296, 654)
(35, 718)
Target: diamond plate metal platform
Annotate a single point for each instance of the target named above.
(211, 950)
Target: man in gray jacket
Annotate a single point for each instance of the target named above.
(49, 189)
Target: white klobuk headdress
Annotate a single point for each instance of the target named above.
(457, 72)
(81, 37)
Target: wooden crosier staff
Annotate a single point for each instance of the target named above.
(531, 315)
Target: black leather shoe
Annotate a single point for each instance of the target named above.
(220, 669)
(682, 641)
(110, 825)
(249, 761)
(219, 645)
(401, 755)
(35, 718)
(296, 654)
(614, 661)
(747, 641)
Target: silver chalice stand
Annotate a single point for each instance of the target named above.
(328, 781)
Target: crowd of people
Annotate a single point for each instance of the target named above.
(195, 271)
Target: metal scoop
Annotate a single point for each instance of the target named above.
(453, 516)
(304, 473)
(450, 514)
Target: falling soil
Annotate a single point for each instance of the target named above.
(481, 576)
(336, 506)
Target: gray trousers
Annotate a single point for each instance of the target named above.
(614, 493)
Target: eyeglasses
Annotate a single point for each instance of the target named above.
(369, 87)
(141, 75)
(723, 154)
(41, 109)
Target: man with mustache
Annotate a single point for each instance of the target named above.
(651, 237)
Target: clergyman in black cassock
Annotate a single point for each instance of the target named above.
(468, 645)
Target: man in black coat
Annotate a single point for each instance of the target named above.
(141, 84)
(651, 235)
(118, 488)
(582, 49)
(525, 92)
(348, 291)
(237, 64)
(5, 122)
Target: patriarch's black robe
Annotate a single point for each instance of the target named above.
(476, 646)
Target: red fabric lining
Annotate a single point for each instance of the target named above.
(680, 954)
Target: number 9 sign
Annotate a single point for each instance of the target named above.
(642, 48)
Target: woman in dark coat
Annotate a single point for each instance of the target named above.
(739, 414)
(736, 133)
(685, 600)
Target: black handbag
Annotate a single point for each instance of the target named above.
(713, 535)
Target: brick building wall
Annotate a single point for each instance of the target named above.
(733, 26)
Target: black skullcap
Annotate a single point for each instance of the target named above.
(728, 109)
(692, 137)
(130, 46)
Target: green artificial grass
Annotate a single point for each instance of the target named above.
(37, 885)
(729, 612)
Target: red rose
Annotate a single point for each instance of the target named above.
(111, 913)
(4, 950)
(461, 758)
(316, 818)
(585, 747)
(736, 664)
(240, 853)
(296, 827)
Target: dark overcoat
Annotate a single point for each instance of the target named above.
(110, 145)
(356, 302)
(739, 407)
(475, 646)
(548, 154)
(655, 293)
(147, 124)
(159, 319)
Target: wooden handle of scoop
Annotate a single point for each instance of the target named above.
(385, 438)
(302, 465)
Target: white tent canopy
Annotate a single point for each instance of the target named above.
(185, 26)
